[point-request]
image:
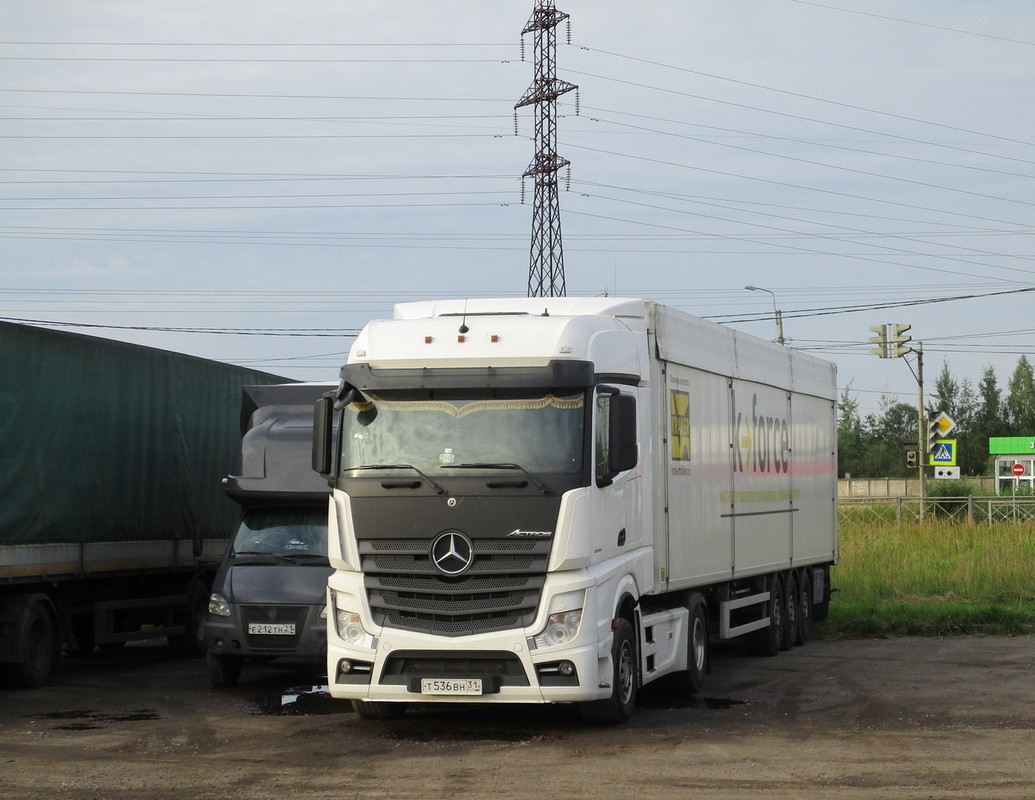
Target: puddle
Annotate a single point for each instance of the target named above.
(302, 701)
(438, 734)
(695, 702)
(89, 719)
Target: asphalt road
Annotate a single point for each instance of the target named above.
(896, 718)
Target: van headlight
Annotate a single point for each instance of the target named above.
(218, 606)
(561, 628)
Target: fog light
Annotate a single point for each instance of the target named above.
(344, 666)
(566, 668)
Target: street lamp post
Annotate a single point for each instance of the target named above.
(776, 312)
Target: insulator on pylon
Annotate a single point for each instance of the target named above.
(522, 191)
(578, 102)
(569, 30)
(522, 48)
(515, 122)
(567, 179)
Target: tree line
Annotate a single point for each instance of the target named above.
(875, 446)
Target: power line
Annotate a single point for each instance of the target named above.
(915, 22)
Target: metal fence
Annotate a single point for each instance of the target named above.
(965, 510)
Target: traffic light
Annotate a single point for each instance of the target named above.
(880, 340)
(898, 341)
(932, 435)
(912, 462)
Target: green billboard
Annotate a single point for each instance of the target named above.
(1011, 445)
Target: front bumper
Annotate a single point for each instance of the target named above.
(230, 636)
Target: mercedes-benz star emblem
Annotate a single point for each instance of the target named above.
(452, 553)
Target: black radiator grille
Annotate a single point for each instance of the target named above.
(500, 590)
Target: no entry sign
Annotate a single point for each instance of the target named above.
(1018, 469)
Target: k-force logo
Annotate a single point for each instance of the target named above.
(765, 442)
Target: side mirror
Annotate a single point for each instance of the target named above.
(615, 435)
(624, 453)
(323, 438)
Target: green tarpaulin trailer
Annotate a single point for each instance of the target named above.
(112, 511)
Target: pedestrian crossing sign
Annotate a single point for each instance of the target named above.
(943, 454)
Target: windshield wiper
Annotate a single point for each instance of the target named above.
(500, 465)
(437, 488)
(263, 554)
(290, 558)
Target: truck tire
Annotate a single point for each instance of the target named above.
(224, 670)
(768, 641)
(691, 680)
(792, 609)
(38, 646)
(804, 629)
(372, 710)
(617, 708)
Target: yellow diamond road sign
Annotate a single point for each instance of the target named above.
(944, 424)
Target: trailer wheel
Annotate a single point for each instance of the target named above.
(224, 670)
(804, 629)
(618, 708)
(767, 641)
(791, 619)
(38, 647)
(371, 710)
(821, 606)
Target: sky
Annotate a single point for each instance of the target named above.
(252, 182)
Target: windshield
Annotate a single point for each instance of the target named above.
(448, 433)
(290, 532)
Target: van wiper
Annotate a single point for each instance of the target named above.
(437, 488)
(500, 465)
(263, 554)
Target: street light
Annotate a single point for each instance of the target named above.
(776, 312)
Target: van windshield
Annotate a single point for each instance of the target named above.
(482, 431)
(290, 532)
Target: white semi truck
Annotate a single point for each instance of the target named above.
(564, 499)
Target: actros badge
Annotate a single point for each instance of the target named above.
(452, 553)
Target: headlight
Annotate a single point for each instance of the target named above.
(561, 628)
(218, 606)
(350, 629)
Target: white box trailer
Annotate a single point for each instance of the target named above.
(563, 499)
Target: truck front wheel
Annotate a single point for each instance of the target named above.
(618, 708)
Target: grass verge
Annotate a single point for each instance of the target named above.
(936, 578)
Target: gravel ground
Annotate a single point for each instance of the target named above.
(895, 718)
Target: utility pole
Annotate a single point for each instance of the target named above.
(892, 341)
(546, 259)
(921, 442)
